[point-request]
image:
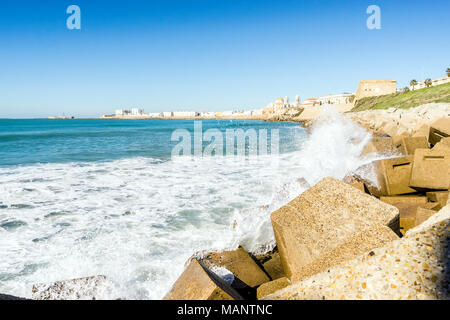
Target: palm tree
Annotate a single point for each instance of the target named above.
(448, 72)
(428, 82)
(413, 83)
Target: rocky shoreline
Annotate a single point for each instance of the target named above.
(350, 239)
(353, 239)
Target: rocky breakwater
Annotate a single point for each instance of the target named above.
(385, 238)
(396, 122)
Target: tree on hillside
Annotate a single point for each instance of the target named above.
(428, 82)
(448, 72)
(406, 89)
(413, 83)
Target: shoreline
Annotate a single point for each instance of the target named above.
(354, 250)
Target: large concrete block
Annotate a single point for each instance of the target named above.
(240, 264)
(383, 145)
(271, 287)
(409, 214)
(443, 144)
(410, 199)
(440, 197)
(422, 131)
(431, 169)
(274, 267)
(423, 214)
(439, 129)
(407, 145)
(321, 220)
(412, 268)
(198, 283)
(394, 175)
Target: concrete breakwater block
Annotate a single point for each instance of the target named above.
(407, 145)
(431, 169)
(414, 267)
(198, 283)
(411, 214)
(321, 220)
(440, 197)
(383, 145)
(409, 199)
(274, 267)
(443, 144)
(76, 289)
(439, 129)
(394, 175)
(240, 263)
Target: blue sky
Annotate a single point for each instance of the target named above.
(208, 54)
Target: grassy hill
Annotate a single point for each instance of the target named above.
(406, 100)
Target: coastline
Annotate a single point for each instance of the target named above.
(284, 276)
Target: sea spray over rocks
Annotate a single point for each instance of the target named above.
(333, 149)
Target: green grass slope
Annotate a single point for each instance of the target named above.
(406, 100)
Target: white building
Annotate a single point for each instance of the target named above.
(344, 98)
(182, 114)
(122, 112)
(137, 112)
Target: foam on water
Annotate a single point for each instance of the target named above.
(138, 220)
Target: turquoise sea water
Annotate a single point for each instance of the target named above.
(24, 142)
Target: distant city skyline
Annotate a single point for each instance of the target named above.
(207, 55)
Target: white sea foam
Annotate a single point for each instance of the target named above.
(138, 220)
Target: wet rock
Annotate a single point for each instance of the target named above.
(240, 263)
(77, 289)
(6, 297)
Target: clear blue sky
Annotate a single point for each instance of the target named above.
(208, 54)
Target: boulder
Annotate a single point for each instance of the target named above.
(271, 287)
(383, 145)
(394, 175)
(198, 283)
(240, 263)
(439, 129)
(76, 289)
(431, 169)
(412, 268)
(321, 220)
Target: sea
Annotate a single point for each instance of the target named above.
(80, 198)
